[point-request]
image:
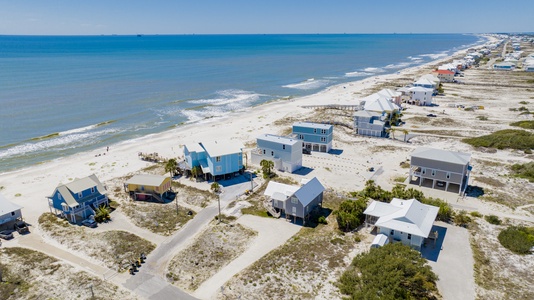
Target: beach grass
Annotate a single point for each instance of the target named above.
(504, 139)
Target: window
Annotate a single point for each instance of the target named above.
(294, 200)
(409, 236)
(80, 195)
(218, 159)
(272, 153)
(301, 137)
(12, 213)
(323, 131)
(424, 171)
(294, 210)
(391, 232)
(323, 139)
(315, 130)
(218, 168)
(59, 196)
(448, 175)
(92, 190)
(284, 147)
(433, 172)
(263, 151)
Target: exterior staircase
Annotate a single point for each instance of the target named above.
(271, 210)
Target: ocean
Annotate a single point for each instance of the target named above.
(60, 95)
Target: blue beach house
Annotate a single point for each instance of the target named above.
(314, 136)
(78, 199)
(215, 158)
(284, 152)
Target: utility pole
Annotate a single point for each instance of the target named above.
(251, 182)
(219, 200)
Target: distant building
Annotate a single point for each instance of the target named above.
(445, 75)
(425, 83)
(395, 96)
(440, 169)
(314, 136)
(78, 199)
(215, 158)
(406, 221)
(421, 96)
(147, 186)
(284, 152)
(9, 213)
(294, 201)
(369, 123)
(380, 104)
(506, 66)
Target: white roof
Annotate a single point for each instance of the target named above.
(147, 179)
(313, 125)
(410, 216)
(194, 147)
(379, 103)
(220, 148)
(442, 155)
(389, 93)
(420, 89)
(380, 239)
(309, 191)
(431, 77)
(278, 139)
(366, 113)
(276, 189)
(424, 81)
(7, 206)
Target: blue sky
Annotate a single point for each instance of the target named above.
(73, 17)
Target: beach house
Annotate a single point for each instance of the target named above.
(78, 199)
(445, 75)
(420, 96)
(406, 221)
(294, 201)
(216, 159)
(395, 96)
(284, 152)
(369, 123)
(314, 136)
(440, 169)
(9, 213)
(147, 186)
(506, 66)
(380, 104)
(425, 83)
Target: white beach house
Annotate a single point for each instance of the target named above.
(284, 152)
(9, 213)
(420, 96)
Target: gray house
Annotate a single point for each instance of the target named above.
(369, 123)
(284, 152)
(9, 213)
(295, 201)
(440, 169)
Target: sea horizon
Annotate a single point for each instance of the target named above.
(69, 94)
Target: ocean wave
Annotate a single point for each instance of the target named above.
(357, 74)
(72, 131)
(373, 70)
(229, 97)
(415, 58)
(399, 65)
(434, 55)
(206, 113)
(57, 142)
(308, 84)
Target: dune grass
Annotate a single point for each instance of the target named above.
(504, 139)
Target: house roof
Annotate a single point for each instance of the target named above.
(505, 64)
(420, 89)
(424, 81)
(380, 239)
(278, 191)
(147, 179)
(379, 103)
(459, 158)
(224, 147)
(410, 216)
(278, 139)
(446, 72)
(77, 186)
(366, 113)
(431, 77)
(312, 125)
(194, 147)
(309, 191)
(389, 93)
(7, 206)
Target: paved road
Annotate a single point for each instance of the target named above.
(150, 282)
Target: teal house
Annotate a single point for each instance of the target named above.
(78, 199)
(314, 136)
(216, 159)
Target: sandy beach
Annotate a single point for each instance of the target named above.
(342, 172)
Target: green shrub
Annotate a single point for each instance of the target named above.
(476, 214)
(350, 214)
(502, 139)
(493, 219)
(482, 118)
(461, 218)
(524, 171)
(524, 124)
(517, 239)
(322, 220)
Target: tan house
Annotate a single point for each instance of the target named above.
(444, 75)
(147, 186)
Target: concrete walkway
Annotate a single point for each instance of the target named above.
(272, 233)
(454, 265)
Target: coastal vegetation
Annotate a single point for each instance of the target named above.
(524, 124)
(350, 214)
(160, 218)
(394, 271)
(504, 139)
(518, 239)
(524, 171)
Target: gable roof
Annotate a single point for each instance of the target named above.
(220, 148)
(431, 77)
(447, 72)
(147, 179)
(77, 186)
(278, 139)
(420, 89)
(410, 216)
(389, 93)
(424, 81)
(309, 191)
(379, 103)
(366, 113)
(313, 125)
(7, 206)
(276, 190)
(459, 158)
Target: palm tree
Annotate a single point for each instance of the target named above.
(405, 132)
(170, 166)
(266, 166)
(195, 171)
(392, 131)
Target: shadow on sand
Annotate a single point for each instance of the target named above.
(430, 249)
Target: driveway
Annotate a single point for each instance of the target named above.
(454, 264)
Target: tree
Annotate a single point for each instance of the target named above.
(266, 166)
(391, 131)
(405, 132)
(394, 271)
(196, 171)
(215, 187)
(102, 213)
(350, 214)
(170, 166)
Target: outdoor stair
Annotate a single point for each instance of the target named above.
(157, 197)
(271, 210)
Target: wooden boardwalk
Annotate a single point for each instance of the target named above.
(334, 106)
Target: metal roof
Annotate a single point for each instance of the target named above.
(366, 113)
(312, 125)
(309, 191)
(420, 89)
(7, 206)
(379, 103)
(147, 180)
(77, 186)
(276, 188)
(452, 157)
(220, 148)
(278, 139)
(194, 147)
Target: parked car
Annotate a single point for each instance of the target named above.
(440, 183)
(431, 115)
(6, 234)
(371, 169)
(306, 151)
(21, 227)
(89, 223)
